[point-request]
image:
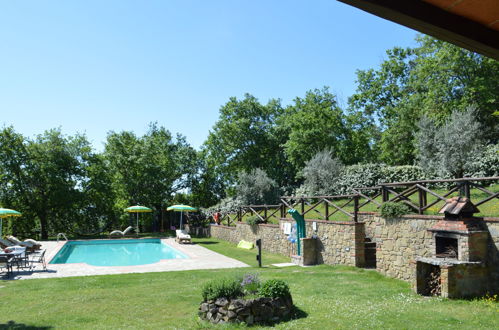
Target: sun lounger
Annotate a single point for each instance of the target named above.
(5, 243)
(182, 237)
(119, 233)
(29, 244)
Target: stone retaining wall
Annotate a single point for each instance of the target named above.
(224, 232)
(399, 242)
(337, 242)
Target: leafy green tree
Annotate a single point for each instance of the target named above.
(98, 205)
(44, 178)
(244, 138)
(149, 170)
(433, 79)
(316, 122)
(207, 188)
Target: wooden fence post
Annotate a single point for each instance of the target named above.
(265, 214)
(422, 199)
(355, 208)
(302, 206)
(464, 189)
(385, 194)
(326, 209)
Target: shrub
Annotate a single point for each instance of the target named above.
(361, 175)
(447, 150)
(321, 173)
(274, 289)
(250, 283)
(225, 206)
(253, 220)
(255, 187)
(226, 288)
(391, 210)
(403, 173)
(485, 163)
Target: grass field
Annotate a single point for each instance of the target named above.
(489, 209)
(327, 297)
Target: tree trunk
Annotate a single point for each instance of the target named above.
(43, 225)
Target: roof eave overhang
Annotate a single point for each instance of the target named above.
(431, 20)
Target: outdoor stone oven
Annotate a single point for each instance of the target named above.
(458, 266)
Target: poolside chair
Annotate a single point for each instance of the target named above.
(39, 258)
(5, 243)
(30, 244)
(119, 233)
(6, 262)
(21, 258)
(182, 237)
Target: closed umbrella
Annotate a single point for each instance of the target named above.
(5, 213)
(182, 209)
(138, 209)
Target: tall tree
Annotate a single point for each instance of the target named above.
(245, 138)
(433, 79)
(44, 177)
(149, 170)
(448, 150)
(316, 122)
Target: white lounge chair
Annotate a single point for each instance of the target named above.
(5, 243)
(118, 233)
(182, 236)
(29, 244)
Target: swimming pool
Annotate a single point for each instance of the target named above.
(130, 252)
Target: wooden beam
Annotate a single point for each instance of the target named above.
(439, 23)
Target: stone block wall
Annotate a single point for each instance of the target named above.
(337, 242)
(493, 252)
(224, 232)
(399, 242)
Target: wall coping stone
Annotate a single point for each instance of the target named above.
(331, 222)
(222, 226)
(260, 224)
(429, 217)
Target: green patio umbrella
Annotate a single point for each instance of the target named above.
(5, 213)
(181, 208)
(138, 209)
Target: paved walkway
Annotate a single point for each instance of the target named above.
(199, 258)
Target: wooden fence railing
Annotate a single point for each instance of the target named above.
(329, 207)
(413, 193)
(402, 191)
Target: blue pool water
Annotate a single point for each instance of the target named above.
(130, 252)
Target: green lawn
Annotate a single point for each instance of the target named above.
(327, 297)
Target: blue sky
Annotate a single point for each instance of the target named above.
(96, 66)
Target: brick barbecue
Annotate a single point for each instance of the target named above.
(458, 266)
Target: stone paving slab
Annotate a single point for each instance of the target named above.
(199, 258)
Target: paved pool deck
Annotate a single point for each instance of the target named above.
(199, 258)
